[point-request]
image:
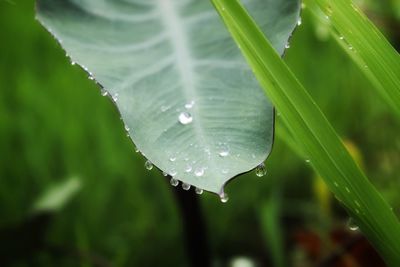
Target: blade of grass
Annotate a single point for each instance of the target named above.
(314, 134)
(271, 217)
(282, 132)
(365, 44)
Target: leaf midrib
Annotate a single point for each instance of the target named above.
(176, 33)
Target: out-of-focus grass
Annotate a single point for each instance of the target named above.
(54, 124)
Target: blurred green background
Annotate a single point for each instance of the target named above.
(105, 209)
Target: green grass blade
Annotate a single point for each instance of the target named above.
(366, 45)
(312, 131)
(273, 232)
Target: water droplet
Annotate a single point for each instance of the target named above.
(115, 97)
(103, 92)
(199, 191)
(185, 118)
(91, 77)
(164, 108)
(185, 186)
(137, 150)
(224, 197)
(287, 45)
(174, 182)
(308, 161)
(341, 37)
(127, 128)
(73, 63)
(199, 172)
(173, 172)
(352, 225)
(172, 159)
(189, 105)
(224, 171)
(299, 22)
(224, 151)
(261, 170)
(188, 168)
(148, 165)
(164, 173)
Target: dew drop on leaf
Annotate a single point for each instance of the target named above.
(199, 191)
(185, 186)
(148, 165)
(224, 151)
(174, 182)
(115, 97)
(189, 105)
(104, 92)
(224, 197)
(185, 118)
(261, 170)
(173, 172)
(352, 225)
(199, 172)
(188, 168)
(164, 108)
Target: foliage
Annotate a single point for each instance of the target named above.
(315, 136)
(177, 82)
(123, 214)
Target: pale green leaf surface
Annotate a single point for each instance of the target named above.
(160, 58)
(315, 136)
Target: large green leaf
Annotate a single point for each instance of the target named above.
(188, 99)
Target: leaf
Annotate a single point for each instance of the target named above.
(184, 91)
(271, 226)
(58, 195)
(365, 44)
(316, 137)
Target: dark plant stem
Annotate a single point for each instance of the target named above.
(194, 229)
